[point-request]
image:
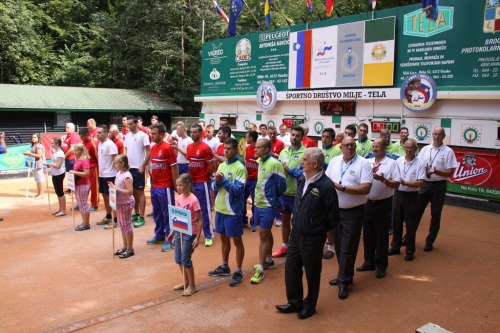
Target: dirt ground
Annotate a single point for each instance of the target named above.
(58, 280)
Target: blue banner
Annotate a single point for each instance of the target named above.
(14, 158)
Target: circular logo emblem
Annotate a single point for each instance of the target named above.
(14, 159)
(243, 50)
(266, 96)
(214, 74)
(422, 133)
(318, 127)
(350, 60)
(246, 123)
(470, 135)
(379, 52)
(212, 122)
(270, 123)
(418, 92)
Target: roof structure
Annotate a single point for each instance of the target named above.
(77, 99)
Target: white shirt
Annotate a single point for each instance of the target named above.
(182, 144)
(174, 133)
(410, 172)
(263, 137)
(357, 173)
(389, 168)
(311, 180)
(136, 152)
(62, 169)
(285, 139)
(441, 158)
(213, 144)
(105, 150)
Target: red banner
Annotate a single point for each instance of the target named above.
(46, 140)
(476, 168)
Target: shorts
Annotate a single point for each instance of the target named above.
(183, 257)
(103, 184)
(183, 168)
(264, 217)
(287, 203)
(38, 173)
(138, 180)
(229, 225)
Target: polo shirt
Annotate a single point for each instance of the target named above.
(389, 168)
(441, 158)
(136, 152)
(357, 172)
(162, 158)
(410, 172)
(199, 156)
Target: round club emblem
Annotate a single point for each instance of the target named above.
(266, 96)
(418, 92)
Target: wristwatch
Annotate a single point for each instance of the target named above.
(343, 188)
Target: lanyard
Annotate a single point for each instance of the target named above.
(347, 167)
(430, 156)
(404, 167)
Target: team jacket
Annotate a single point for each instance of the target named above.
(292, 159)
(231, 188)
(317, 211)
(271, 183)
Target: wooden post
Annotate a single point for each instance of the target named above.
(72, 210)
(113, 233)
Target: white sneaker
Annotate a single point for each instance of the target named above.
(278, 223)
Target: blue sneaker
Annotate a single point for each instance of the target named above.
(167, 247)
(94, 209)
(75, 208)
(155, 241)
(150, 214)
(254, 228)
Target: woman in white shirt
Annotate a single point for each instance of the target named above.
(58, 174)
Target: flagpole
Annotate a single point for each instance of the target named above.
(279, 10)
(355, 8)
(316, 11)
(252, 14)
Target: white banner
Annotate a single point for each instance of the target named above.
(342, 94)
(324, 57)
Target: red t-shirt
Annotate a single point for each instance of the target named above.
(91, 146)
(308, 142)
(219, 152)
(93, 134)
(163, 156)
(80, 165)
(71, 139)
(198, 156)
(203, 135)
(124, 130)
(119, 144)
(145, 130)
(277, 146)
(251, 163)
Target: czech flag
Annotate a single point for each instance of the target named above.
(220, 11)
(267, 13)
(373, 3)
(309, 5)
(431, 8)
(329, 7)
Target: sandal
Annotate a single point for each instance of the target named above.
(189, 292)
(59, 214)
(126, 254)
(56, 212)
(36, 197)
(82, 227)
(120, 251)
(179, 287)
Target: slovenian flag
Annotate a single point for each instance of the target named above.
(329, 7)
(267, 13)
(309, 5)
(430, 7)
(180, 223)
(220, 11)
(299, 71)
(373, 3)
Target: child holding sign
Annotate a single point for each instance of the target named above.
(124, 204)
(81, 170)
(187, 200)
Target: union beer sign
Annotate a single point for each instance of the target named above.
(472, 169)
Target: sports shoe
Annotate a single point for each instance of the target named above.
(236, 280)
(135, 217)
(208, 242)
(328, 254)
(257, 277)
(93, 209)
(110, 225)
(167, 247)
(104, 221)
(75, 208)
(281, 252)
(253, 228)
(139, 222)
(278, 223)
(150, 214)
(220, 271)
(267, 265)
(153, 241)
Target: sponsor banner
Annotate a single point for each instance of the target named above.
(475, 174)
(180, 220)
(324, 57)
(350, 44)
(14, 158)
(341, 94)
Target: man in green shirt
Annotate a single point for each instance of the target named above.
(399, 146)
(290, 158)
(328, 150)
(363, 144)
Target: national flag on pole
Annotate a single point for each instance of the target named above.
(309, 5)
(267, 13)
(234, 13)
(329, 7)
(373, 3)
(220, 11)
(430, 7)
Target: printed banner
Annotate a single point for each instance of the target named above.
(112, 198)
(46, 142)
(299, 67)
(324, 57)
(378, 53)
(180, 220)
(14, 158)
(350, 54)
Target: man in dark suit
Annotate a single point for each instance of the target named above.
(316, 210)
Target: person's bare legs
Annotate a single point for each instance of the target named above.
(107, 207)
(62, 204)
(240, 251)
(39, 188)
(266, 244)
(129, 241)
(225, 247)
(191, 285)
